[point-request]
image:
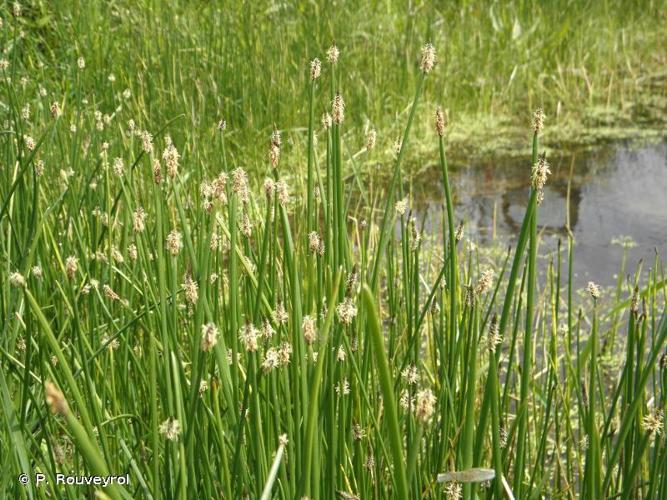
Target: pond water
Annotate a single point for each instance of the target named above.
(616, 191)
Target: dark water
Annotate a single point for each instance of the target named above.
(617, 191)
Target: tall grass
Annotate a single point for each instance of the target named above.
(588, 61)
(213, 334)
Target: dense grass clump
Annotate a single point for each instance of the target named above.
(212, 334)
(598, 67)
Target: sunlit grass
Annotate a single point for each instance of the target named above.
(289, 331)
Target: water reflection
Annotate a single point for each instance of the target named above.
(620, 190)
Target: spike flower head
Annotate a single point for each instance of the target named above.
(540, 173)
(139, 220)
(174, 242)
(453, 491)
(494, 339)
(55, 109)
(424, 405)
(249, 337)
(401, 206)
(71, 266)
(428, 58)
(146, 141)
(332, 54)
(315, 69)
(338, 109)
(17, 279)
(209, 337)
(346, 311)
(191, 289)
(652, 423)
(314, 242)
(282, 192)
(309, 329)
(326, 121)
(240, 185)
(593, 290)
(170, 429)
(440, 121)
(485, 282)
(538, 120)
(170, 156)
(371, 139)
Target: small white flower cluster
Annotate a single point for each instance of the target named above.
(315, 243)
(17, 279)
(309, 329)
(652, 423)
(209, 337)
(326, 121)
(343, 387)
(174, 242)
(276, 357)
(422, 404)
(410, 374)
(332, 54)
(171, 157)
(249, 336)
(315, 69)
(139, 220)
(338, 109)
(593, 290)
(215, 190)
(401, 206)
(240, 185)
(346, 311)
(280, 315)
(191, 289)
(170, 429)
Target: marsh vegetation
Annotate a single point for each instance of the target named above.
(217, 322)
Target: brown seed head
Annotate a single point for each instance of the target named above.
(55, 109)
(55, 399)
(157, 171)
(440, 121)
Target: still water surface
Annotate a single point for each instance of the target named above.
(620, 190)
